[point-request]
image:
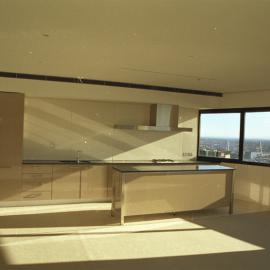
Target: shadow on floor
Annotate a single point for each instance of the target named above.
(251, 228)
(250, 260)
(63, 219)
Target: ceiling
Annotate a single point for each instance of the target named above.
(221, 46)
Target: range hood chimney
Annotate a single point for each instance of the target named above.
(163, 117)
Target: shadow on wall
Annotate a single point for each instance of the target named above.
(64, 127)
(252, 183)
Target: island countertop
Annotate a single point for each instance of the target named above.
(171, 168)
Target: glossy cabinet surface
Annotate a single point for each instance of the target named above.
(36, 183)
(10, 183)
(42, 183)
(66, 182)
(94, 183)
(140, 193)
(11, 137)
(11, 129)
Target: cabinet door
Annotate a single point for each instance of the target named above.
(66, 182)
(11, 129)
(94, 183)
(36, 182)
(10, 184)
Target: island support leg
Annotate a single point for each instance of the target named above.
(230, 179)
(122, 219)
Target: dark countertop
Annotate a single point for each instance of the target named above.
(104, 162)
(171, 168)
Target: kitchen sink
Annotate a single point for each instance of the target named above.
(75, 161)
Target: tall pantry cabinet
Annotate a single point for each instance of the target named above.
(11, 142)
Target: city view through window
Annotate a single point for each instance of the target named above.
(220, 134)
(257, 137)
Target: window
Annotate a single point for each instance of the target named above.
(219, 135)
(257, 137)
(235, 135)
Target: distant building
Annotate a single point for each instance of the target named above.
(247, 155)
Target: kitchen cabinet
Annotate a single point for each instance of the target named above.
(94, 183)
(140, 190)
(11, 129)
(10, 183)
(66, 182)
(11, 137)
(36, 182)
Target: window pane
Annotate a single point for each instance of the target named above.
(257, 137)
(219, 135)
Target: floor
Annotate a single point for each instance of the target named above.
(85, 236)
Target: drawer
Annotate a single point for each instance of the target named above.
(37, 182)
(37, 169)
(36, 195)
(63, 169)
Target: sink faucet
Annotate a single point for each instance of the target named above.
(78, 156)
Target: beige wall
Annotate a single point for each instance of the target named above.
(44, 89)
(58, 128)
(252, 183)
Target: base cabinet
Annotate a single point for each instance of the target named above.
(42, 183)
(10, 183)
(36, 182)
(66, 182)
(94, 183)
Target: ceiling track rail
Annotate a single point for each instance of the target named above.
(80, 80)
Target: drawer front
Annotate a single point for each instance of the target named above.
(65, 169)
(37, 169)
(36, 182)
(36, 195)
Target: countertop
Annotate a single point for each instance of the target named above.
(113, 162)
(171, 168)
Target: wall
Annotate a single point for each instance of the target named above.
(252, 183)
(58, 128)
(45, 89)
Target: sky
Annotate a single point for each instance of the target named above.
(227, 125)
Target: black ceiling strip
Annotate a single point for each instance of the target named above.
(106, 83)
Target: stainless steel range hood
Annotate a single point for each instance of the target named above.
(163, 117)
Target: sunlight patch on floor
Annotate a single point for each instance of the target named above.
(168, 238)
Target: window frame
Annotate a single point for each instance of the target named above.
(242, 112)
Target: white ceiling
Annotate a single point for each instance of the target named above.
(214, 45)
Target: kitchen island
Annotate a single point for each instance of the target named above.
(139, 190)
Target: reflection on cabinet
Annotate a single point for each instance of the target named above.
(66, 182)
(36, 182)
(36, 195)
(10, 183)
(94, 183)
